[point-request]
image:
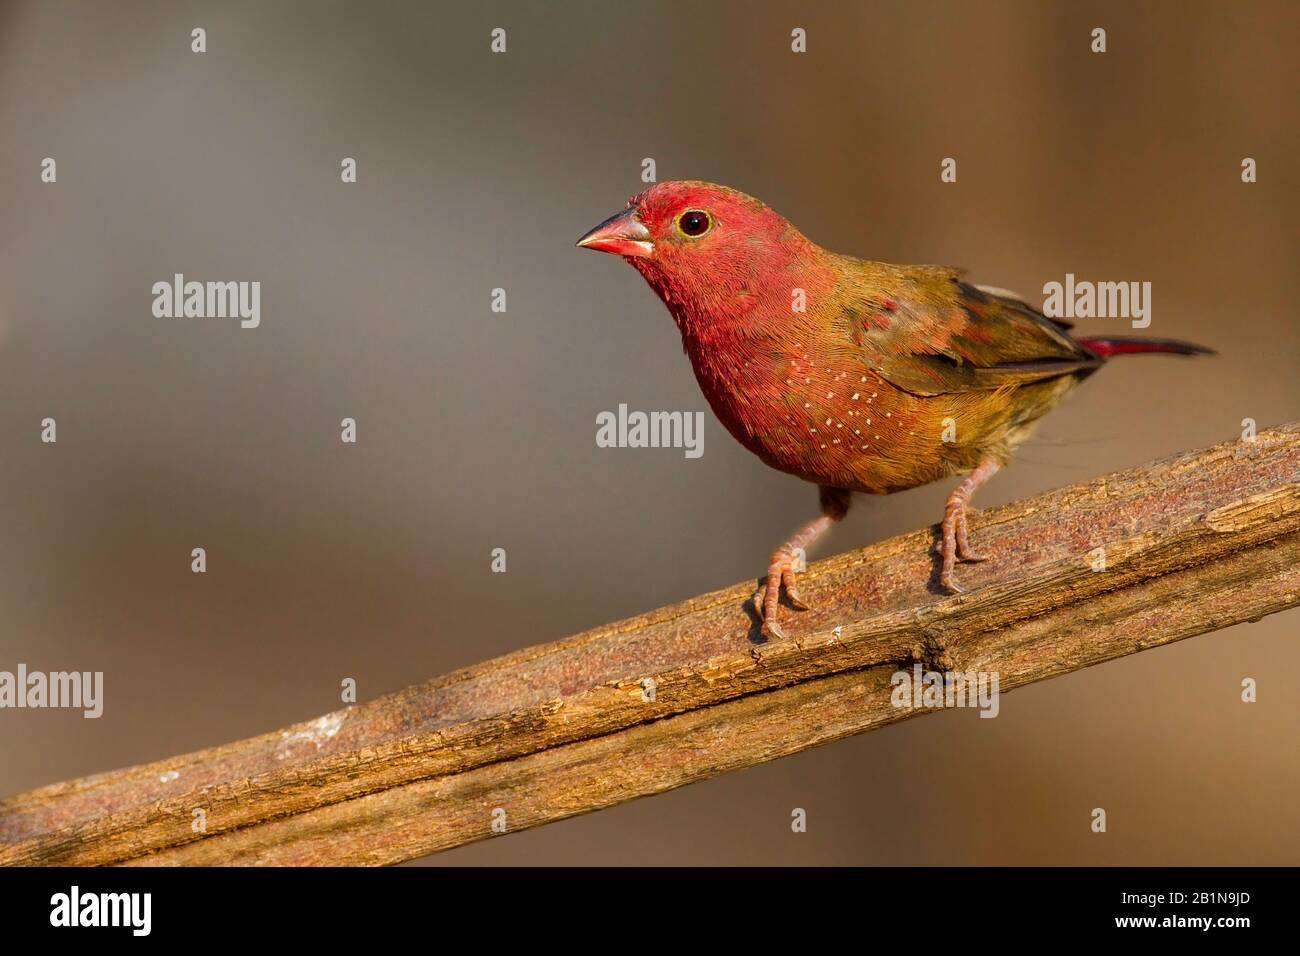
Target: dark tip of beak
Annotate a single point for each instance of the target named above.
(621, 234)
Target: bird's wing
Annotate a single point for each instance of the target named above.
(931, 333)
(1019, 301)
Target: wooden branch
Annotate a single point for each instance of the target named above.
(1191, 544)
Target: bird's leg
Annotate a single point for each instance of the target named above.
(954, 542)
(785, 560)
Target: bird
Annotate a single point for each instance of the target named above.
(858, 376)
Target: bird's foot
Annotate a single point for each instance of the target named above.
(780, 572)
(953, 542)
(964, 552)
(954, 545)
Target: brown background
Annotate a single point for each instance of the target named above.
(477, 430)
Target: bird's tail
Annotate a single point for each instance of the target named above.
(1108, 345)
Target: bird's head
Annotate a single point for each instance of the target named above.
(712, 253)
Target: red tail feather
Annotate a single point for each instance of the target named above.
(1106, 346)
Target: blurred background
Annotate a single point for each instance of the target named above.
(476, 429)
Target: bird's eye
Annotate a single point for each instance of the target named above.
(694, 223)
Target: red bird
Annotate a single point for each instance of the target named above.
(855, 375)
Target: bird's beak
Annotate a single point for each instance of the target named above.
(621, 234)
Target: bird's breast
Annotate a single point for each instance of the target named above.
(826, 418)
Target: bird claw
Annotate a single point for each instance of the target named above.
(954, 546)
(964, 552)
(791, 593)
(780, 573)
